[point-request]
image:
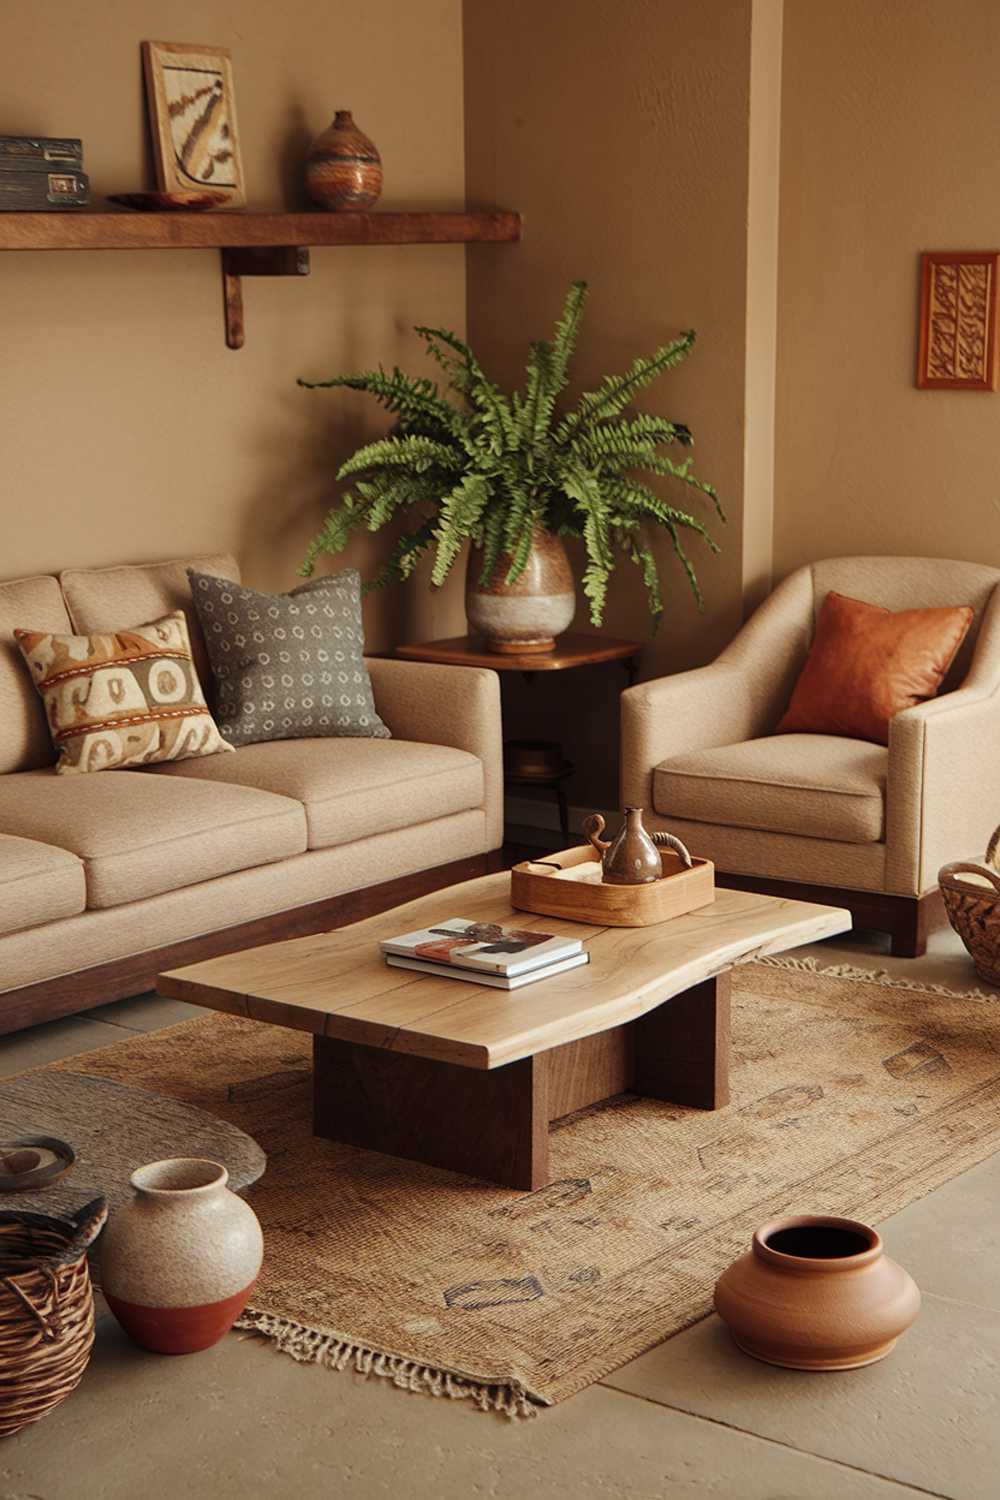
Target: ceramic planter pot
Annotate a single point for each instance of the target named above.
(529, 613)
(816, 1294)
(343, 167)
(179, 1262)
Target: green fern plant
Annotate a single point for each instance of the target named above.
(493, 468)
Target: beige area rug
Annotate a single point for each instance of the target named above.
(851, 1097)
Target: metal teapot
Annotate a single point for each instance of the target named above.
(632, 857)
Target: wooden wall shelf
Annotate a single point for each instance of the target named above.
(254, 244)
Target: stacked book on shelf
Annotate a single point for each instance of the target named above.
(42, 172)
(485, 953)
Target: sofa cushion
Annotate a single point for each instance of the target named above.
(351, 788)
(121, 598)
(124, 698)
(24, 736)
(288, 666)
(139, 835)
(37, 884)
(816, 785)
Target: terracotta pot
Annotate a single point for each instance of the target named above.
(529, 613)
(816, 1294)
(179, 1262)
(343, 167)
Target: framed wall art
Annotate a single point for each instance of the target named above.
(958, 321)
(192, 116)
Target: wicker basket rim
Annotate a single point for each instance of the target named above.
(79, 1233)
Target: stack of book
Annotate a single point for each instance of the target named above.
(484, 952)
(42, 172)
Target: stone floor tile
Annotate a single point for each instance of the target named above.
(928, 1416)
(242, 1421)
(950, 1240)
(145, 1013)
(43, 1044)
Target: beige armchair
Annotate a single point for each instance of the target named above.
(816, 816)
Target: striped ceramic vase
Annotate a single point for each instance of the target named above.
(343, 168)
(179, 1262)
(526, 615)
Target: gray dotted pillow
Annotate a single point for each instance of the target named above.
(287, 666)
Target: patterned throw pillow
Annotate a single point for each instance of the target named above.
(287, 666)
(126, 699)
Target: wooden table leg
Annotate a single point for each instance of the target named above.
(682, 1048)
(489, 1123)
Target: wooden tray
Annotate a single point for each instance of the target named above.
(576, 891)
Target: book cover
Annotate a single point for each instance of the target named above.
(480, 976)
(484, 946)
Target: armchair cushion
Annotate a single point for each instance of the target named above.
(813, 785)
(867, 664)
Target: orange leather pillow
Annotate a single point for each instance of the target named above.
(867, 664)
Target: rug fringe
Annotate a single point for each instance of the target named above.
(872, 976)
(311, 1346)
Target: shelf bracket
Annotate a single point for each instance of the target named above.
(281, 260)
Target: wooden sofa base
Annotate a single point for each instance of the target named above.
(909, 920)
(123, 977)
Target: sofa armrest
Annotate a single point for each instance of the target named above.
(672, 715)
(943, 788)
(439, 705)
(740, 696)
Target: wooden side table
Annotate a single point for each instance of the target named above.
(571, 650)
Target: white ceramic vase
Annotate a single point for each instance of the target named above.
(179, 1262)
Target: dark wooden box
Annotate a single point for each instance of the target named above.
(40, 153)
(43, 190)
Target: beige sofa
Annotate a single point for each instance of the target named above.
(819, 816)
(108, 878)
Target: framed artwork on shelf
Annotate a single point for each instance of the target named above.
(958, 321)
(192, 116)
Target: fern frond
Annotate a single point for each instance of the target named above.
(643, 557)
(611, 446)
(565, 335)
(595, 588)
(461, 509)
(467, 376)
(492, 542)
(520, 552)
(404, 558)
(644, 427)
(402, 395)
(616, 391)
(417, 453)
(631, 495)
(391, 491)
(662, 465)
(334, 534)
(584, 487)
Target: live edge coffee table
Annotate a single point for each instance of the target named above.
(467, 1077)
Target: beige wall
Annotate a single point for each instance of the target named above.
(889, 147)
(129, 430)
(622, 133)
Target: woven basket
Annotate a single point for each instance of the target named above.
(46, 1311)
(972, 900)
